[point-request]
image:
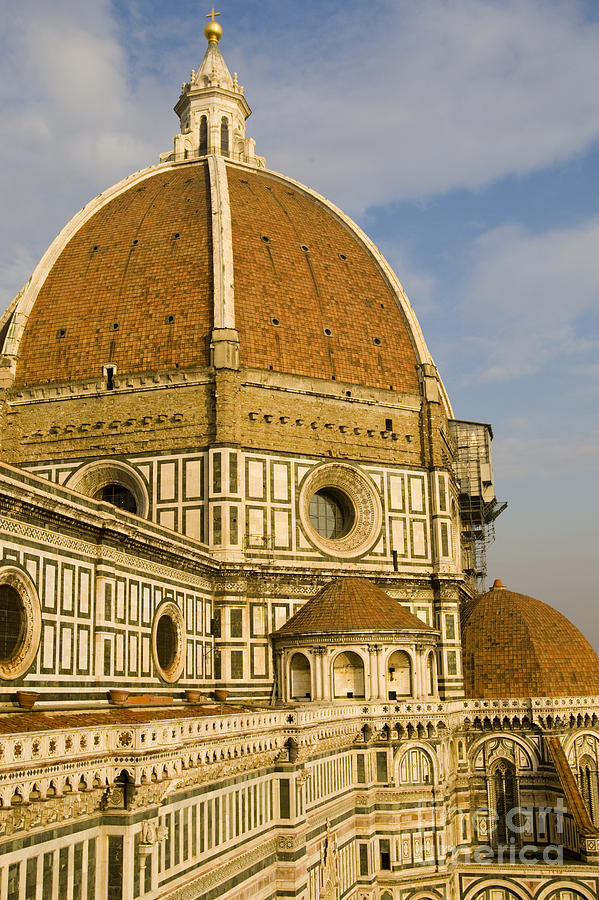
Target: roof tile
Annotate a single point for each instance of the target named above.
(517, 646)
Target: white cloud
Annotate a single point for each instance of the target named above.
(526, 296)
(435, 96)
(415, 100)
(71, 124)
(75, 60)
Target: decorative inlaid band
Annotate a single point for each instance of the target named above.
(62, 543)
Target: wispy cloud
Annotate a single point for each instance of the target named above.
(409, 101)
(436, 96)
(529, 452)
(527, 299)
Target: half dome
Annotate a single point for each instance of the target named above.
(517, 646)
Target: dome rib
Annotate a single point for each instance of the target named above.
(352, 605)
(517, 646)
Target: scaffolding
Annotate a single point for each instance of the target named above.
(478, 505)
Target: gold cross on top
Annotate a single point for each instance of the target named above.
(212, 14)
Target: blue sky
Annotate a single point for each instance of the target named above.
(464, 138)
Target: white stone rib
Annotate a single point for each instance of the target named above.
(222, 245)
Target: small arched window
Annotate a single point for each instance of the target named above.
(123, 789)
(301, 679)
(224, 136)
(589, 786)
(504, 800)
(203, 136)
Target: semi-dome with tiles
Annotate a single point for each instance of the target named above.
(352, 605)
(517, 646)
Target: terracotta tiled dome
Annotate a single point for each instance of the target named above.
(352, 605)
(130, 283)
(516, 646)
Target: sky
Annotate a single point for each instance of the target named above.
(462, 136)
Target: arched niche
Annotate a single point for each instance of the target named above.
(431, 680)
(348, 675)
(113, 482)
(503, 800)
(300, 677)
(399, 674)
(416, 767)
(589, 785)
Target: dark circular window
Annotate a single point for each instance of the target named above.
(118, 495)
(331, 513)
(340, 510)
(12, 623)
(167, 642)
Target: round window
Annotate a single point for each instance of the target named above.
(12, 623)
(340, 510)
(168, 641)
(331, 513)
(118, 495)
(20, 622)
(112, 481)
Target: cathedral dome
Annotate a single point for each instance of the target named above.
(131, 283)
(516, 646)
(208, 257)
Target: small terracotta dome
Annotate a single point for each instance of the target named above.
(352, 605)
(516, 646)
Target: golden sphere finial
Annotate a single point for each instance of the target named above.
(212, 29)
